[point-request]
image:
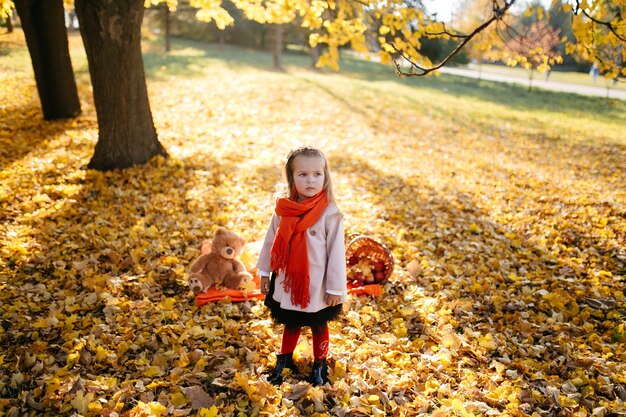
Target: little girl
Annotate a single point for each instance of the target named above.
(305, 252)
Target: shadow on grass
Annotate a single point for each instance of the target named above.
(191, 58)
(350, 104)
(27, 131)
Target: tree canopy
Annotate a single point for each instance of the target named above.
(395, 29)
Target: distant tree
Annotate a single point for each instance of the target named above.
(486, 45)
(277, 14)
(6, 12)
(244, 32)
(167, 23)
(535, 49)
(561, 21)
(437, 49)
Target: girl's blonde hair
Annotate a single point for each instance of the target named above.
(310, 152)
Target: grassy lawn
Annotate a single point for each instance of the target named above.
(556, 76)
(505, 211)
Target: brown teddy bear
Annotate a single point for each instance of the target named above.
(220, 267)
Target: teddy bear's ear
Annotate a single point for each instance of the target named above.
(220, 231)
(206, 246)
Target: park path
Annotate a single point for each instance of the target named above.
(539, 83)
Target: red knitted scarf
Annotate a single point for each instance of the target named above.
(289, 251)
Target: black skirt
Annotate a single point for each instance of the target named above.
(298, 318)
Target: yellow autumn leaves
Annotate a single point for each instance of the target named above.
(504, 211)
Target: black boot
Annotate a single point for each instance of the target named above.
(319, 375)
(283, 360)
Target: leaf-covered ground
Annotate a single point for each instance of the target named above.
(505, 211)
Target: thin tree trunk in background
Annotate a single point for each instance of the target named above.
(167, 29)
(277, 46)
(264, 38)
(9, 24)
(316, 51)
(315, 55)
(43, 23)
(111, 32)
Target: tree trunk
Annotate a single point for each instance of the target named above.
(315, 55)
(277, 46)
(167, 29)
(111, 32)
(316, 51)
(43, 23)
(9, 24)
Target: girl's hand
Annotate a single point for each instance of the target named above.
(332, 300)
(265, 285)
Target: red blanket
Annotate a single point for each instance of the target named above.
(236, 296)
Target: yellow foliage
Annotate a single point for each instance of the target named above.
(208, 412)
(6, 8)
(178, 399)
(211, 10)
(151, 409)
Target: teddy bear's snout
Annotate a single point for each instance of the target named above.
(195, 285)
(228, 252)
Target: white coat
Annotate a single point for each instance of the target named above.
(327, 260)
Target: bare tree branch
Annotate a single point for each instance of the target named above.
(498, 13)
(445, 32)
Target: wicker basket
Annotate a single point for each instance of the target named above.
(363, 248)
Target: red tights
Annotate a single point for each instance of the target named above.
(291, 334)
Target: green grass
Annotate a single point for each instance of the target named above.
(468, 100)
(556, 76)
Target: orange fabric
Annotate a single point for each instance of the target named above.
(237, 296)
(234, 296)
(375, 290)
(289, 251)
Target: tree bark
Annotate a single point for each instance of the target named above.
(167, 29)
(315, 55)
(9, 24)
(316, 51)
(111, 32)
(43, 23)
(277, 46)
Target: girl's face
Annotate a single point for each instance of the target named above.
(308, 176)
